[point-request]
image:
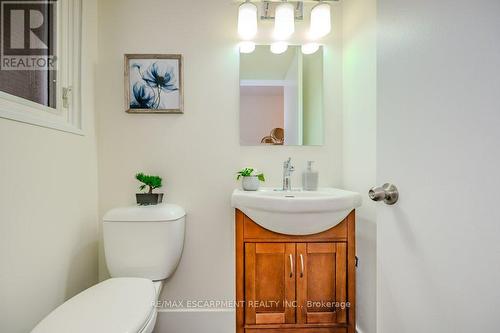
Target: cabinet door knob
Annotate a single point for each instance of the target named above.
(291, 265)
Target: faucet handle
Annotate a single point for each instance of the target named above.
(286, 164)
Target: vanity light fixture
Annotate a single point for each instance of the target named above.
(284, 14)
(309, 48)
(247, 20)
(284, 21)
(279, 47)
(320, 20)
(247, 47)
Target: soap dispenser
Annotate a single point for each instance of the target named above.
(310, 178)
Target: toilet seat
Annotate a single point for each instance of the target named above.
(116, 305)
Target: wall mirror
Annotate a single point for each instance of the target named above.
(281, 97)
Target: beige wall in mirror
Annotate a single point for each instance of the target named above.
(281, 97)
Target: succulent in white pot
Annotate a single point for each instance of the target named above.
(250, 179)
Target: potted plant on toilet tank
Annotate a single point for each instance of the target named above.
(149, 183)
(251, 179)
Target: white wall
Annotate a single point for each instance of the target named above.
(48, 208)
(197, 153)
(312, 98)
(359, 143)
(261, 110)
(262, 64)
(292, 102)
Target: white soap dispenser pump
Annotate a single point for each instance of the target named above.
(310, 178)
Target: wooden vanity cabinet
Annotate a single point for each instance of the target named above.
(295, 284)
(269, 283)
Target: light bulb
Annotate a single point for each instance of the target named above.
(320, 21)
(279, 47)
(247, 20)
(247, 47)
(309, 48)
(284, 21)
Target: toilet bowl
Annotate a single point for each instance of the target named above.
(143, 246)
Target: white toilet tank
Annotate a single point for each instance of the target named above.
(144, 241)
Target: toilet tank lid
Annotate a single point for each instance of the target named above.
(153, 213)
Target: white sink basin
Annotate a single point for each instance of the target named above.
(296, 212)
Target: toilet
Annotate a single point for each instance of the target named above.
(142, 245)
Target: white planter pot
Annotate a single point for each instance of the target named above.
(251, 183)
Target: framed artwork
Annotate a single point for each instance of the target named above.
(153, 83)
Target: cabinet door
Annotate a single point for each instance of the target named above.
(321, 282)
(269, 283)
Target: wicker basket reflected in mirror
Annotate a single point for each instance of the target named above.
(267, 139)
(277, 137)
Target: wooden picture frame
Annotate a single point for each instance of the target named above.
(153, 83)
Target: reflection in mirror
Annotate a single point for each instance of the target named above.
(281, 97)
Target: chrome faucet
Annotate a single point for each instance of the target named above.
(287, 173)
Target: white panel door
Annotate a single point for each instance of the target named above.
(438, 140)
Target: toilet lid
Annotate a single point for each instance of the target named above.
(117, 305)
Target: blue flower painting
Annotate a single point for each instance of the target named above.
(154, 84)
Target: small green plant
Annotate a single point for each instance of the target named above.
(247, 172)
(153, 182)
